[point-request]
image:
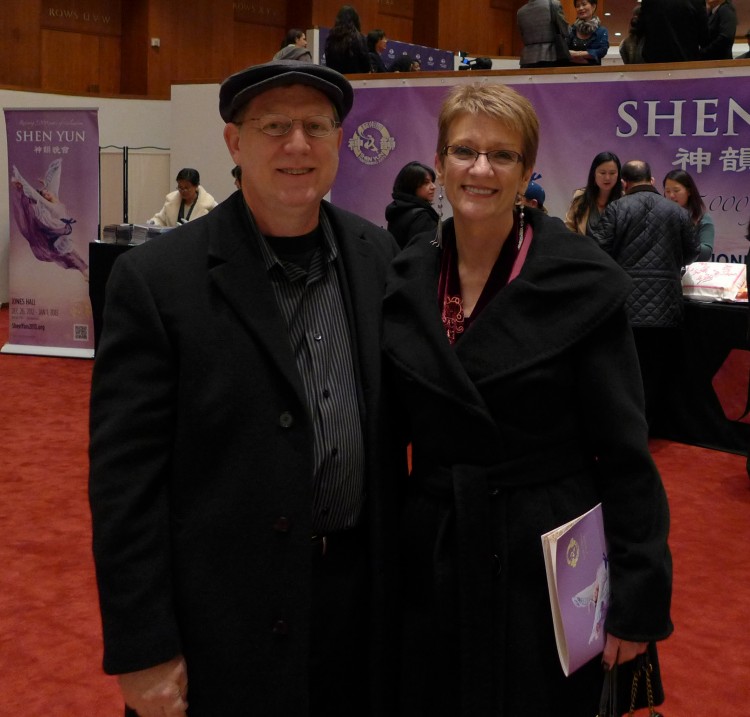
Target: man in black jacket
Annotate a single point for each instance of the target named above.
(672, 30)
(722, 28)
(652, 239)
(239, 480)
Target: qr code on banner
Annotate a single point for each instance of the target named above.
(80, 332)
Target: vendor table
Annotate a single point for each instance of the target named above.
(102, 256)
(694, 412)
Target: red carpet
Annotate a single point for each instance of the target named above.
(50, 639)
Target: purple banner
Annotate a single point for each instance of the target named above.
(53, 167)
(701, 125)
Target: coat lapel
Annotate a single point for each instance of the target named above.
(236, 268)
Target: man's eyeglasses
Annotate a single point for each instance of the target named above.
(278, 125)
(498, 158)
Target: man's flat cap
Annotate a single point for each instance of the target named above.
(238, 89)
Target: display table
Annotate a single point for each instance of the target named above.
(102, 256)
(694, 411)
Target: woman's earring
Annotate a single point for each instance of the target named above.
(438, 240)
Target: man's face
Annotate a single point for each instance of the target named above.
(289, 174)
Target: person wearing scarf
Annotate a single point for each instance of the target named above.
(588, 39)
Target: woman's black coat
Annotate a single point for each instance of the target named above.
(534, 416)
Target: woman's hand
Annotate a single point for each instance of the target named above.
(579, 57)
(617, 651)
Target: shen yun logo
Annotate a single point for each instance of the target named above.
(371, 143)
(573, 553)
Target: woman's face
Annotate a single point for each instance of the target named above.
(301, 41)
(676, 192)
(605, 176)
(188, 191)
(426, 190)
(584, 9)
(381, 44)
(477, 190)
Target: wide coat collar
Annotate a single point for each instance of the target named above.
(237, 270)
(565, 290)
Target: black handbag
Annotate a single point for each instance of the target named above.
(631, 686)
(560, 26)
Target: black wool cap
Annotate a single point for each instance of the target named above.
(238, 89)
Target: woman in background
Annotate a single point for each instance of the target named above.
(189, 201)
(376, 44)
(294, 47)
(411, 213)
(589, 202)
(680, 187)
(588, 39)
(346, 47)
(521, 397)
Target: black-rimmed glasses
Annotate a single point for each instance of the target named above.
(498, 158)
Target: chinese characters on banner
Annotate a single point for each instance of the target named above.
(53, 168)
(700, 124)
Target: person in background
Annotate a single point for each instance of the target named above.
(538, 33)
(237, 174)
(722, 29)
(672, 30)
(631, 48)
(652, 239)
(404, 63)
(376, 44)
(346, 47)
(241, 486)
(534, 195)
(189, 201)
(588, 39)
(602, 187)
(411, 213)
(294, 47)
(680, 187)
(509, 348)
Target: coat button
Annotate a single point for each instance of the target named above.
(281, 524)
(497, 565)
(286, 420)
(280, 628)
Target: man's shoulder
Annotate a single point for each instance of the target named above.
(351, 223)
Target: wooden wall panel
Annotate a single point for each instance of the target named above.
(79, 62)
(19, 50)
(254, 44)
(476, 27)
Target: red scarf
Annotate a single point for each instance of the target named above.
(505, 269)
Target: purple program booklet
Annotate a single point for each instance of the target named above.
(575, 555)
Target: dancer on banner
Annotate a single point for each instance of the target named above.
(45, 221)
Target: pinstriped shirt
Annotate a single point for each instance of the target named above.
(311, 302)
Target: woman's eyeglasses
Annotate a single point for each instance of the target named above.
(498, 158)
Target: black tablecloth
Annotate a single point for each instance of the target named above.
(101, 258)
(694, 414)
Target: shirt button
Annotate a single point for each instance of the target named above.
(318, 336)
(334, 452)
(326, 393)
(286, 420)
(281, 524)
(280, 628)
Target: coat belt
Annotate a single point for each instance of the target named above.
(469, 490)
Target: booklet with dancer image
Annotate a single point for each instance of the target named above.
(575, 556)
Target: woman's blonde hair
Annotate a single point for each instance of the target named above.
(500, 102)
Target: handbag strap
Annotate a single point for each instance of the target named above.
(643, 666)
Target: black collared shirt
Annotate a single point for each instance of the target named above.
(308, 291)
